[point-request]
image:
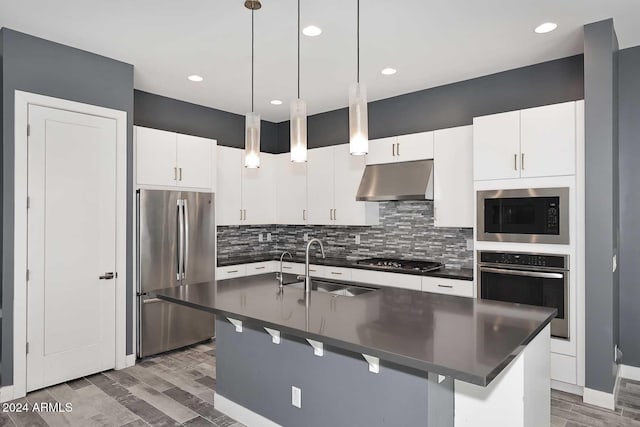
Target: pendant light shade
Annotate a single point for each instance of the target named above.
(358, 120)
(298, 130)
(252, 140)
(298, 117)
(252, 119)
(358, 114)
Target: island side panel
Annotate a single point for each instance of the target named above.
(337, 388)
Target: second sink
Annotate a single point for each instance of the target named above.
(334, 288)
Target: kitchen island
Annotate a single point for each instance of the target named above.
(384, 357)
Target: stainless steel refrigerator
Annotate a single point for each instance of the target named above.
(176, 246)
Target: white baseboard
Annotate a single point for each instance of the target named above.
(601, 398)
(130, 360)
(567, 388)
(630, 372)
(240, 413)
(6, 393)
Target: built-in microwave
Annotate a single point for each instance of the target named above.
(532, 215)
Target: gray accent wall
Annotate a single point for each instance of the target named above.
(39, 66)
(452, 105)
(159, 112)
(602, 229)
(338, 386)
(629, 157)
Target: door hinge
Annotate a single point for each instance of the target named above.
(28, 202)
(28, 130)
(28, 275)
(27, 348)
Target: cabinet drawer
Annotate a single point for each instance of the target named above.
(461, 288)
(231, 271)
(259, 268)
(383, 278)
(292, 268)
(563, 368)
(335, 273)
(317, 270)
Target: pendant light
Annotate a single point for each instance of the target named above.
(298, 118)
(358, 115)
(252, 119)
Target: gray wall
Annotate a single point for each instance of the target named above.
(629, 156)
(452, 105)
(336, 387)
(602, 232)
(169, 114)
(39, 66)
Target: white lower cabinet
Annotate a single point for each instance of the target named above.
(563, 368)
(335, 273)
(439, 285)
(259, 268)
(292, 268)
(231, 271)
(382, 278)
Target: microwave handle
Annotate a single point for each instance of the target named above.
(540, 274)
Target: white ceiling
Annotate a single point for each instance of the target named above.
(430, 43)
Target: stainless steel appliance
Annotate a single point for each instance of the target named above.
(397, 181)
(533, 215)
(401, 264)
(526, 278)
(176, 246)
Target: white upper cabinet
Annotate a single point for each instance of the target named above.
(258, 191)
(169, 159)
(291, 190)
(496, 146)
(229, 186)
(194, 160)
(333, 178)
(403, 148)
(537, 142)
(320, 187)
(156, 157)
(548, 142)
(453, 177)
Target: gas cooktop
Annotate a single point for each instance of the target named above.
(401, 264)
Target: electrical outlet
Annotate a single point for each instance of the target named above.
(357, 239)
(268, 237)
(260, 237)
(296, 397)
(306, 237)
(469, 244)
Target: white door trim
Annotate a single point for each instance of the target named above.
(22, 102)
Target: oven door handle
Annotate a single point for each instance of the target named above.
(542, 275)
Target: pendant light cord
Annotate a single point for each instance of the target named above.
(252, 60)
(358, 40)
(298, 49)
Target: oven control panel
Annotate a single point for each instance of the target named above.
(524, 259)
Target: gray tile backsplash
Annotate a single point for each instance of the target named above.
(406, 230)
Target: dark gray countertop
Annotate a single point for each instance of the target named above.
(446, 272)
(468, 339)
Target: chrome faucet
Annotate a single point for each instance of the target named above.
(281, 276)
(307, 278)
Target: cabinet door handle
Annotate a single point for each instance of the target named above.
(231, 271)
(445, 286)
(522, 162)
(330, 214)
(515, 162)
(337, 273)
(245, 214)
(304, 214)
(240, 214)
(180, 174)
(175, 174)
(393, 149)
(398, 148)
(284, 267)
(260, 268)
(335, 214)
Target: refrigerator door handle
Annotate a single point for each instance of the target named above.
(180, 239)
(185, 218)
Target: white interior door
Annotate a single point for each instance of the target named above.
(71, 242)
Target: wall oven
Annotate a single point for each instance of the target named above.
(534, 215)
(526, 278)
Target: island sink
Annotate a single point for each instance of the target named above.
(333, 288)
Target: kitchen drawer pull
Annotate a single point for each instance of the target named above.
(232, 271)
(446, 286)
(337, 273)
(260, 268)
(284, 267)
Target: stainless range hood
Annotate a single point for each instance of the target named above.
(397, 181)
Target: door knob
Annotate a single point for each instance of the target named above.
(107, 276)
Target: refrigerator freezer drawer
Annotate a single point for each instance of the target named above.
(165, 326)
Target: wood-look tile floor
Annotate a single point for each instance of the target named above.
(177, 388)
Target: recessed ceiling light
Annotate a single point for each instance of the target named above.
(195, 78)
(276, 102)
(547, 27)
(311, 31)
(389, 71)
